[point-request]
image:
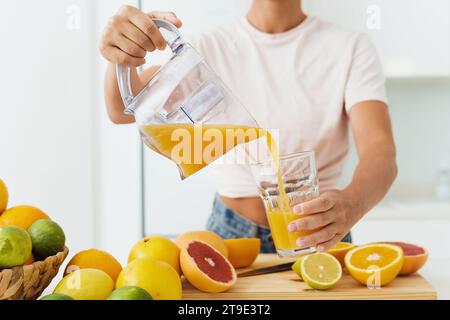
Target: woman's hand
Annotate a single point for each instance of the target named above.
(130, 34)
(333, 214)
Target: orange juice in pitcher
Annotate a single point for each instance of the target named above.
(185, 112)
(193, 146)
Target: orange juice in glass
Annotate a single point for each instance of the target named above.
(284, 182)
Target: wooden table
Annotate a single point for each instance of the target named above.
(287, 286)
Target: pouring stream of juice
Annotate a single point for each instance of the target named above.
(192, 147)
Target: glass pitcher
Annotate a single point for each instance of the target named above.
(185, 112)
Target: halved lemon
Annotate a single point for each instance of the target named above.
(374, 265)
(320, 270)
(296, 267)
(340, 250)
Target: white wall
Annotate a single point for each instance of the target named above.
(117, 161)
(59, 151)
(46, 146)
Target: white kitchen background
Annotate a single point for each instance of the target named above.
(58, 151)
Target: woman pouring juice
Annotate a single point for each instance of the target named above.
(309, 80)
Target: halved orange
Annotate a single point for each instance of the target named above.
(374, 265)
(340, 250)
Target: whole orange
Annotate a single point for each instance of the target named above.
(22, 216)
(95, 259)
(243, 252)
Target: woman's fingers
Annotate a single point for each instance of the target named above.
(317, 205)
(115, 54)
(138, 37)
(132, 32)
(327, 245)
(318, 237)
(312, 222)
(145, 23)
(128, 46)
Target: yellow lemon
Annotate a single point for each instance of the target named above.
(320, 270)
(158, 248)
(3, 196)
(158, 278)
(86, 284)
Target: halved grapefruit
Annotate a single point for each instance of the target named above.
(414, 257)
(211, 238)
(206, 268)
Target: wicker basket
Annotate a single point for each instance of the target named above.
(28, 282)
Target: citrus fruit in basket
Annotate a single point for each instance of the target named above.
(206, 268)
(21, 216)
(156, 277)
(130, 293)
(3, 196)
(320, 270)
(95, 259)
(158, 248)
(414, 257)
(30, 260)
(340, 250)
(56, 296)
(374, 265)
(209, 237)
(47, 237)
(15, 247)
(243, 252)
(86, 284)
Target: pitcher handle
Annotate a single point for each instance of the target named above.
(173, 38)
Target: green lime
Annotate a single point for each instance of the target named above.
(15, 247)
(321, 270)
(296, 267)
(130, 293)
(56, 296)
(47, 237)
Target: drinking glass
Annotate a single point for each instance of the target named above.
(299, 183)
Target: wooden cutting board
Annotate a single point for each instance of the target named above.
(287, 286)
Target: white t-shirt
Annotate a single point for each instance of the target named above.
(301, 82)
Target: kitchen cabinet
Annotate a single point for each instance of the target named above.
(412, 36)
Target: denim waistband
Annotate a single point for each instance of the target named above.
(233, 224)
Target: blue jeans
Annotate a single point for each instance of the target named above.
(229, 224)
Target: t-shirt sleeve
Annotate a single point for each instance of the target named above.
(366, 80)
